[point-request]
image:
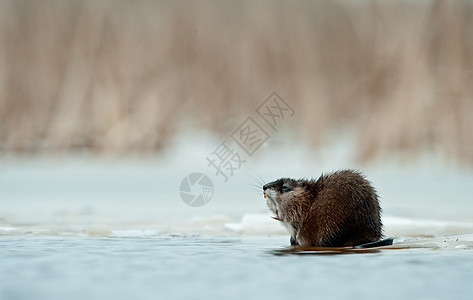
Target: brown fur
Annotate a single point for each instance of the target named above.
(339, 209)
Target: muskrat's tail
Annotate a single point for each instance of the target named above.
(385, 242)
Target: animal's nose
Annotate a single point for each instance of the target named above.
(265, 187)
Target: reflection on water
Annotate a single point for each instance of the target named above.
(322, 251)
(365, 248)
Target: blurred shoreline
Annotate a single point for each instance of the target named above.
(125, 77)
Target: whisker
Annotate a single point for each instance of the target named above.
(255, 179)
(261, 178)
(253, 185)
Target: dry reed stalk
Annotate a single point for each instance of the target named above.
(116, 76)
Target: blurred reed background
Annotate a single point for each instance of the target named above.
(125, 76)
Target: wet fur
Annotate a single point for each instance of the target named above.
(339, 209)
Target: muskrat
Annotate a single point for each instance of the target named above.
(336, 210)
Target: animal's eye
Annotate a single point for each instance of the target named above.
(285, 188)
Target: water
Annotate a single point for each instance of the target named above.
(222, 268)
(90, 228)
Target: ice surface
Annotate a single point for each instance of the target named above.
(89, 196)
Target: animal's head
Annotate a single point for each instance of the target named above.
(286, 197)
